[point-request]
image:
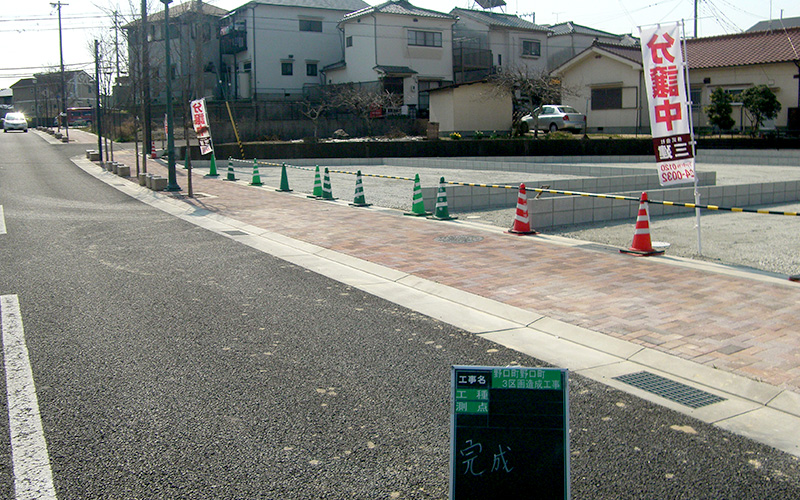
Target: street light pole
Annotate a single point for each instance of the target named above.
(63, 82)
(172, 181)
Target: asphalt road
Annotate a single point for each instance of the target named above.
(173, 363)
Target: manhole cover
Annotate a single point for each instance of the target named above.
(459, 238)
(666, 388)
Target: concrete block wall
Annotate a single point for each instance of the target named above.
(466, 198)
(568, 210)
(757, 157)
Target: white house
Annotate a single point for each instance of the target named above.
(486, 41)
(194, 50)
(277, 48)
(470, 107)
(567, 39)
(610, 87)
(400, 48)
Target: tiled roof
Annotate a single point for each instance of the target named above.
(345, 5)
(395, 70)
(742, 49)
(569, 28)
(182, 8)
(498, 19)
(776, 24)
(399, 7)
(630, 52)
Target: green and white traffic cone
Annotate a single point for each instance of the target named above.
(212, 171)
(441, 212)
(417, 203)
(284, 180)
(231, 174)
(256, 181)
(359, 200)
(317, 192)
(327, 193)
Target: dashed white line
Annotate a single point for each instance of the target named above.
(2, 221)
(33, 478)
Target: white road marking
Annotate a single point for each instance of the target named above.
(33, 478)
(2, 221)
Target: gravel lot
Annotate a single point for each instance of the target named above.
(769, 243)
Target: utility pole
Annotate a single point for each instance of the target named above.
(63, 81)
(172, 181)
(97, 91)
(147, 136)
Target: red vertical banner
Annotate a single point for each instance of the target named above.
(664, 76)
(201, 126)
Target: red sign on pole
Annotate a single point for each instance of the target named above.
(201, 126)
(665, 81)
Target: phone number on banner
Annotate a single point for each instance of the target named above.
(672, 173)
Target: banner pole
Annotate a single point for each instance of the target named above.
(692, 142)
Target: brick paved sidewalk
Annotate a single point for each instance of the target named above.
(737, 324)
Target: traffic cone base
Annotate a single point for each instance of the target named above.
(522, 223)
(512, 231)
(642, 245)
(436, 217)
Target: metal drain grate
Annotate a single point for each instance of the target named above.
(669, 389)
(235, 233)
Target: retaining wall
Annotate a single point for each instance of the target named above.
(567, 210)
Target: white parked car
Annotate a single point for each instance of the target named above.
(554, 117)
(15, 121)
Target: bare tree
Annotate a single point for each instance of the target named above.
(363, 101)
(313, 111)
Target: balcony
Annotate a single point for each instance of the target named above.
(233, 42)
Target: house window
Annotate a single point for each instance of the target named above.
(247, 67)
(531, 48)
(311, 69)
(696, 96)
(425, 38)
(425, 87)
(607, 98)
(311, 25)
(287, 68)
(348, 42)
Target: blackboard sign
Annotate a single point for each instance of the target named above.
(510, 433)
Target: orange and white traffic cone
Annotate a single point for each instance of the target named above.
(153, 149)
(641, 236)
(522, 221)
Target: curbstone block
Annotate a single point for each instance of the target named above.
(158, 183)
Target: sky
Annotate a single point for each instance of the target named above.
(29, 35)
